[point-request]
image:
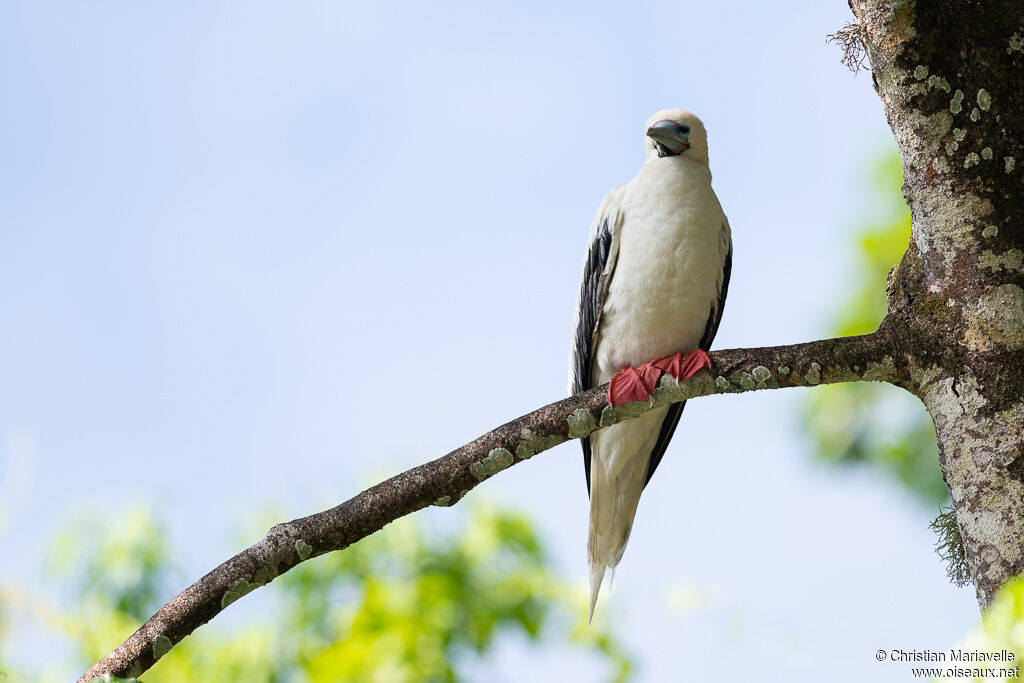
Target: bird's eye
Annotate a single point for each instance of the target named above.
(684, 129)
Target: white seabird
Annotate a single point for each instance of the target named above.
(654, 284)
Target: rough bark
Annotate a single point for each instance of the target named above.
(951, 78)
(446, 480)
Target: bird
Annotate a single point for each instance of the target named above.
(653, 287)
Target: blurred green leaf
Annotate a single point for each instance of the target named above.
(1002, 620)
(122, 558)
(1002, 628)
(408, 603)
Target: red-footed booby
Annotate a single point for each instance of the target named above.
(654, 284)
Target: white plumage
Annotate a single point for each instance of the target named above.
(654, 284)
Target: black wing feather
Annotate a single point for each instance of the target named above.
(592, 293)
(716, 311)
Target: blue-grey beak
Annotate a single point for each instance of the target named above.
(672, 136)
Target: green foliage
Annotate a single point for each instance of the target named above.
(1002, 621)
(876, 424)
(123, 560)
(113, 572)
(1002, 628)
(423, 603)
(406, 604)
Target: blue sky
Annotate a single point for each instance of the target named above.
(265, 253)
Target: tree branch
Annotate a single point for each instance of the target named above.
(446, 480)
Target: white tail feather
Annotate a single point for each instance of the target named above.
(596, 576)
(618, 471)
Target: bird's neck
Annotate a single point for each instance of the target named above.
(680, 165)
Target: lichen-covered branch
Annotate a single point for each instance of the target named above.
(446, 480)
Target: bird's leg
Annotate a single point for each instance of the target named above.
(683, 366)
(633, 384)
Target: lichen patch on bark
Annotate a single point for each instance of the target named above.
(530, 443)
(1000, 320)
(495, 461)
(1011, 260)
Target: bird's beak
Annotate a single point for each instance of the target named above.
(670, 135)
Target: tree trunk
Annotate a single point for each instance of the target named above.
(951, 78)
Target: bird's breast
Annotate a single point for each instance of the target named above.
(668, 269)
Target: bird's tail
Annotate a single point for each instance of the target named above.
(614, 495)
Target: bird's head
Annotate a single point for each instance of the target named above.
(675, 132)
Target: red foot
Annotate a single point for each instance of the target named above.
(683, 367)
(637, 384)
(633, 384)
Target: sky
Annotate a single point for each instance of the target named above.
(271, 253)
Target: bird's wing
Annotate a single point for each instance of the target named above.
(602, 251)
(668, 426)
(723, 289)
